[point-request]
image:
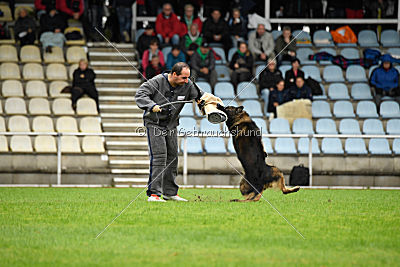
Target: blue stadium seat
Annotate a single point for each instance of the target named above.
(302, 55)
(259, 69)
(211, 128)
(390, 38)
(187, 124)
(389, 109)
(267, 145)
(379, 146)
(367, 109)
(396, 146)
(343, 109)
(321, 97)
(303, 38)
(349, 126)
(253, 107)
(205, 86)
(279, 126)
(355, 73)
(223, 73)
(321, 109)
(193, 145)
(302, 146)
(338, 91)
(220, 52)
(284, 68)
(355, 146)
(213, 45)
(224, 90)
(137, 34)
(276, 34)
(326, 126)
(303, 126)
(313, 72)
(342, 45)
(187, 110)
(214, 145)
(371, 69)
(350, 53)
(323, 39)
(231, 52)
(230, 102)
(166, 50)
(327, 50)
(261, 124)
(373, 126)
(285, 146)
(246, 90)
(367, 38)
(332, 146)
(361, 91)
(394, 52)
(231, 148)
(393, 126)
(333, 74)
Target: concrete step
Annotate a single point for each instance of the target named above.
(129, 180)
(122, 63)
(119, 90)
(128, 152)
(124, 108)
(121, 115)
(94, 45)
(116, 72)
(116, 81)
(111, 53)
(127, 143)
(130, 171)
(129, 162)
(117, 98)
(122, 124)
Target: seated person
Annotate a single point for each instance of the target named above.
(237, 27)
(216, 30)
(25, 28)
(278, 96)
(293, 73)
(150, 53)
(285, 46)
(202, 64)
(154, 68)
(270, 76)
(83, 83)
(241, 65)
(175, 56)
(191, 41)
(144, 40)
(189, 18)
(168, 25)
(300, 90)
(261, 44)
(52, 26)
(385, 81)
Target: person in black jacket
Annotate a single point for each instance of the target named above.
(52, 20)
(241, 65)
(25, 28)
(293, 73)
(83, 83)
(300, 90)
(202, 64)
(278, 96)
(270, 76)
(237, 27)
(216, 30)
(144, 40)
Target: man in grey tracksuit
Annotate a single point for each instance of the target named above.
(161, 127)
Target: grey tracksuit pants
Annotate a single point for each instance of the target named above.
(163, 150)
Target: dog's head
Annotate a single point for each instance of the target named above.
(233, 113)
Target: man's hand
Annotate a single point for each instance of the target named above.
(292, 53)
(156, 108)
(76, 15)
(236, 66)
(217, 37)
(263, 56)
(276, 104)
(204, 70)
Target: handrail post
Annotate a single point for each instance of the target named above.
(185, 160)
(310, 158)
(59, 159)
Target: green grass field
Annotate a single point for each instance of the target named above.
(58, 226)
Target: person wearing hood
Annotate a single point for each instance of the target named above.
(203, 64)
(385, 81)
(241, 65)
(168, 26)
(25, 28)
(191, 41)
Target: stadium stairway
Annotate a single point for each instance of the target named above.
(117, 82)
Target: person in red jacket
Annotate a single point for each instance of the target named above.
(150, 53)
(188, 19)
(168, 25)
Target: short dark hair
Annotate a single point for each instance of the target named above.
(154, 41)
(175, 47)
(286, 28)
(280, 80)
(177, 68)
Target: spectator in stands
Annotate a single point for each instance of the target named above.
(261, 44)
(269, 77)
(237, 27)
(241, 65)
(300, 90)
(202, 64)
(144, 40)
(52, 20)
(168, 26)
(278, 96)
(83, 83)
(154, 68)
(150, 53)
(175, 56)
(189, 18)
(25, 28)
(216, 30)
(124, 11)
(75, 9)
(385, 81)
(191, 41)
(285, 46)
(42, 6)
(295, 71)
(96, 15)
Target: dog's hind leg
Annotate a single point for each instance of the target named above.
(280, 183)
(252, 197)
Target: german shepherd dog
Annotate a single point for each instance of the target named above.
(246, 137)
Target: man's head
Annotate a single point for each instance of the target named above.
(180, 74)
(149, 30)
(216, 14)
(167, 9)
(295, 64)
(204, 48)
(236, 13)
(154, 44)
(280, 85)
(83, 64)
(155, 61)
(22, 13)
(299, 82)
(386, 61)
(243, 47)
(194, 29)
(175, 50)
(286, 32)
(189, 9)
(260, 29)
(271, 64)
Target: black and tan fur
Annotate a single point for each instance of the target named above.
(249, 148)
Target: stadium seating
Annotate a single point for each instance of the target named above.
(367, 38)
(21, 144)
(8, 53)
(75, 53)
(90, 125)
(323, 39)
(302, 55)
(394, 52)
(214, 145)
(56, 56)
(92, 144)
(70, 144)
(224, 90)
(267, 145)
(246, 90)
(18, 123)
(373, 127)
(261, 125)
(56, 87)
(303, 146)
(333, 74)
(331, 146)
(366, 109)
(389, 109)
(36, 89)
(350, 53)
(187, 110)
(187, 124)
(361, 91)
(313, 72)
(355, 146)
(32, 71)
(86, 106)
(285, 146)
(279, 126)
(62, 106)
(326, 126)
(220, 52)
(42, 124)
(45, 144)
(276, 34)
(327, 50)
(396, 146)
(71, 70)
(284, 68)
(231, 52)
(7, 16)
(30, 54)
(9, 71)
(323, 96)
(2, 125)
(379, 146)
(265, 98)
(166, 50)
(205, 86)
(15, 106)
(390, 38)
(39, 106)
(253, 107)
(355, 73)
(259, 69)
(208, 127)
(393, 126)
(66, 124)
(343, 109)
(349, 126)
(56, 71)
(3, 144)
(223, 73)
(338, 91)
(303, 126)
(321, 109)
(193, 145)
(12, 88)
(303, 39)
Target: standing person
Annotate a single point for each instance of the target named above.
(168, 26)
(203, 64)
(241, 65)
(83, 83)
(161, 126)
(261, 43)
(285, 40)
(25, 28)
(124, 11)
(293, 73)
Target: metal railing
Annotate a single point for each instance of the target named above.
(184, 136)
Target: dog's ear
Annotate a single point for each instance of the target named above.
(239, 109)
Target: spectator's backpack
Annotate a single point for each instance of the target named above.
(314, 86)
(299, 175)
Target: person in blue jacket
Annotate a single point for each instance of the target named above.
(278, 96)
(385, 81)
(175, 56)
